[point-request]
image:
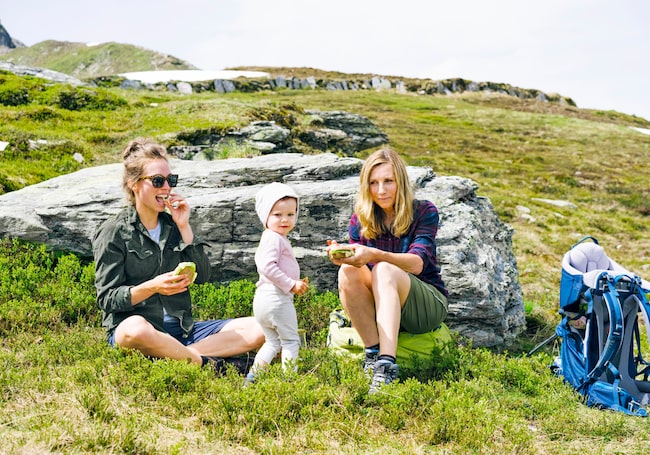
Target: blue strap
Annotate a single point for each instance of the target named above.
(615, 335)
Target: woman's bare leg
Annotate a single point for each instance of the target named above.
(238, 336)
(390, 287)
(357, 300)
(136, 333)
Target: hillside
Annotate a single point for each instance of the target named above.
(66, 391)
(86, 61)
(516, 150)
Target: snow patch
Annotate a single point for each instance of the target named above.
(641, 130)
(153, 77)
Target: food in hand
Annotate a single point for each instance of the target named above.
(165, 199)
(186, 268)
(341, 251)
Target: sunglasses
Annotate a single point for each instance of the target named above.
(159, 180)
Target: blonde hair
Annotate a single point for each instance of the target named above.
(371, 216)
(135, 156)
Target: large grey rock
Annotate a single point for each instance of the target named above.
(475, 250)
(43, 73)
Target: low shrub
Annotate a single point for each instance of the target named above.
(18, 91)
(76, 99)
(13, 95)
(236, 300)
(41, 291)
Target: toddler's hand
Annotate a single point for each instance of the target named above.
(301, 286)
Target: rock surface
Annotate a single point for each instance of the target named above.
(474, 246)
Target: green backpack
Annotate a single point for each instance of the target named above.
(342, 338)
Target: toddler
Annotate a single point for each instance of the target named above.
(276, 205)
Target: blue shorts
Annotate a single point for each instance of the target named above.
(201, 330)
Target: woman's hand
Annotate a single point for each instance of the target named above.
(332, 245)
(179, 209)
(165, 284)
(169, 283)
(362, 254)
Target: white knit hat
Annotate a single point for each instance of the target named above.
(269, 195)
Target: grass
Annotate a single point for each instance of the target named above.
(64, 391)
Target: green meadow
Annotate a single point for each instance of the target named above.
(63, 390)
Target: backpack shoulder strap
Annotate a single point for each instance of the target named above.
(605, 285)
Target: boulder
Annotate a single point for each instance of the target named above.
(43, 73)
(474, 246)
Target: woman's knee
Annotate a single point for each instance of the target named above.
(248, 329)
(386, 270)
(347, 272)
(388, 275)
(132, 332)
(349, 278)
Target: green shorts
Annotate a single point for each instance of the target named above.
(425, 307)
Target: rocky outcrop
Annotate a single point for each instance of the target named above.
(399, 85)
(43, 73)
(7, 42)
(475, 250)
(324, 131)
(244, 84)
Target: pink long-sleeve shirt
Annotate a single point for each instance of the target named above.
(276, 262)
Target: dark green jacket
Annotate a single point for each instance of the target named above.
(125, 255)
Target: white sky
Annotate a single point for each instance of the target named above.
(594, 51)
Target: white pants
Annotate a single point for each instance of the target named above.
(274, 311)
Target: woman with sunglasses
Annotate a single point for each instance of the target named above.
(145, 305)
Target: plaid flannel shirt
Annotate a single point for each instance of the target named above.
(420, 240)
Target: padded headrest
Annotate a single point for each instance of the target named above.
(588, 256)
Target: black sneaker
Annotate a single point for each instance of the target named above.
(242, 363)
(385, 372)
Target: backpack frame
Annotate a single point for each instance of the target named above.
(600, 354)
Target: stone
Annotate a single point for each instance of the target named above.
(184, 88)
(474, 246)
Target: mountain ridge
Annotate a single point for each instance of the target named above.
(7, 42)
(84, 61)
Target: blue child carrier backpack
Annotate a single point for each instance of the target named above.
(600, 354)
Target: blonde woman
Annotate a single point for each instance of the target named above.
(392, 282)
(145, 305)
